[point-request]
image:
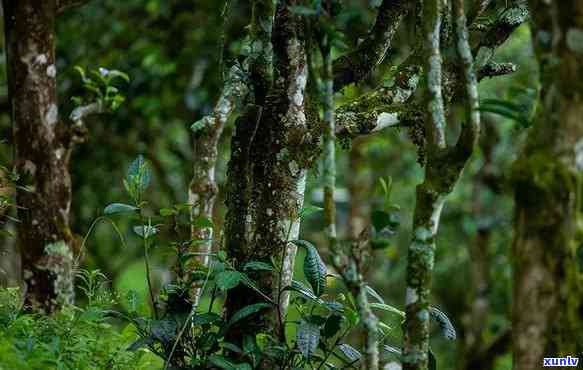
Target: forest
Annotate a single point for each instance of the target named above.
(291, 184)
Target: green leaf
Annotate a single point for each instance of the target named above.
(349, 352)
(388, 308)
(257, 266)
(115, 73)
(139, 173)
(332, 325)
(140, 343)
(446, 327)
(309, 210)
(241, 314)
(114, 208)
(146, 231)
(205, 318)
(298, 287)
(221, 362)
(314, 267)
(307, 338)
(373, 293)
(228, 279)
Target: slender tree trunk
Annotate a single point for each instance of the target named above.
(42, 152)
(359, 189)
(203, 187)
(548, 281)
(442, 170)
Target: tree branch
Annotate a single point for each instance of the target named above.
(510, 19)
(494, 69)
(78, 131)
(365, 115)
(358, 64)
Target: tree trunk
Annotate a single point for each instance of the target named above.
(548, 281)
(261, 223)
(42, 153)
(442, 171)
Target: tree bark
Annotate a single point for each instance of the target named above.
(282, 149)
(548, 289)
(442, 171)
(42, 152)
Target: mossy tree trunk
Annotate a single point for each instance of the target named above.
(42, 152)
(548, 278)
(443, 168)
(262, 215)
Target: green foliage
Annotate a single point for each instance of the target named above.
(74, 338)
(314, 267)
(99, 85)
(137, 179)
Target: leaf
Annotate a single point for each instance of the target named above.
(205, 318)
(115, 73)
(228, 279)
(388, 308)
(257, 266)
(114, 208)
(241, 314)
(145, 231)
(373, 293)
(298, 287)
(139, 173)
(506, 109)
(349, 352)
(446, 327)
(140, 343)
(393, 350)
(309, 210)
(314, 267)
(221, 362)
(307, 338)
(332, 325)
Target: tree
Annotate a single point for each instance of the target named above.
(43, 146)
(547, 291)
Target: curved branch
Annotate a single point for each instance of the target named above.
(359, 63)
